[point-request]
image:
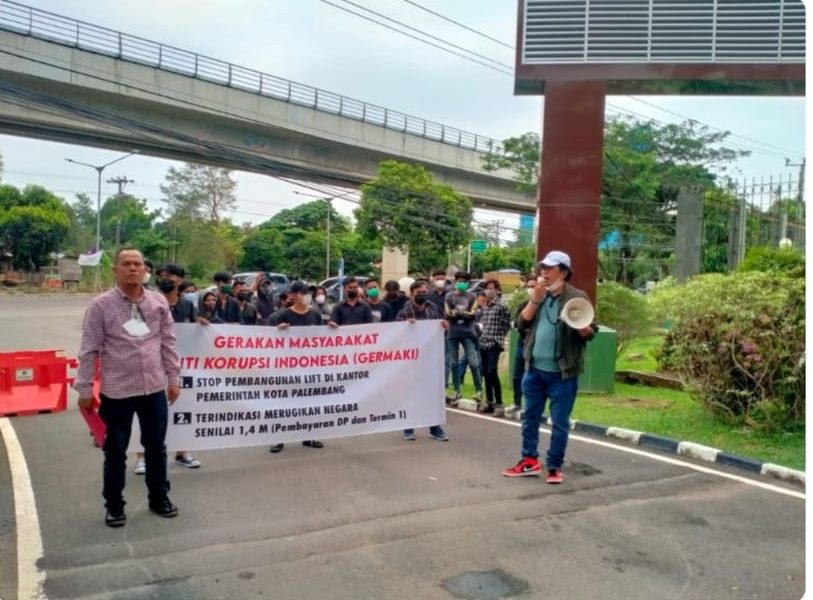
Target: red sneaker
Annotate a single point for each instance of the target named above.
(526, 466)
(554, 476)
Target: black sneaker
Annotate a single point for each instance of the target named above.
(115, 517)
(164, 508)
(313, 444)
(276, 448)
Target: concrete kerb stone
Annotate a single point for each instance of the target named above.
(783, 473)
(698, 451)
(625, 434)
(669, 445)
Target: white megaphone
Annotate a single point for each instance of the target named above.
(578, 313)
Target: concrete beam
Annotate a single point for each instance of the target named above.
(78, 96)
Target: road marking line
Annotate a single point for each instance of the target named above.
(30, 578)
(658, 457)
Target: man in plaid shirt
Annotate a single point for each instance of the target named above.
(130, 331)
(496, 321)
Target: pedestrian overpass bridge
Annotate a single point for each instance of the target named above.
(74, 82)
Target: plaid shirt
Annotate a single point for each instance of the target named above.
(496, 321)
(130, 366)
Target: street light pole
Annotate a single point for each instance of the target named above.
(327, 237)
(99, 170)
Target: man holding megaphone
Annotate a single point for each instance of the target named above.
(558, 320)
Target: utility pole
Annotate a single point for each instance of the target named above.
(121, 182)
(801, 165)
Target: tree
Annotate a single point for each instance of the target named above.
(128, 214)
(404, 207)
(311, 216)
(520, 154)
(263, 250)
(32, 233)
(646, 164)
(84, 211)
(199, 192)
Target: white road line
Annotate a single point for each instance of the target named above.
(30, 578)
(658, 457)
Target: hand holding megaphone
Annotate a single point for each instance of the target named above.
(578, 313)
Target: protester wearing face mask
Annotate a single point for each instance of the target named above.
(298, 314)
(554, 355)
(248, 312)
(189, 292)
(437, 294)
(286, 300)
(208, 308)
(419, 309)
(265, 297)
(460, 311)
(227, 307)
(352, 310)
(170, 276)
(518, 370)
(496, 321)
(321, 304)
(170, 279)
(382, 311)
(394, 296)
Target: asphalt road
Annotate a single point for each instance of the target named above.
(377, 517)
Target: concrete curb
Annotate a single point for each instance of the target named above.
(671, 446)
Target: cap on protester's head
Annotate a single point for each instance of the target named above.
(555, 258)
(300, 287)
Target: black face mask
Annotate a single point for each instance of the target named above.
(166, 285)
(244, 296)
(420, 298)
(352, 294)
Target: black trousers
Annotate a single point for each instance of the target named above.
(117, 414)
(489, 359)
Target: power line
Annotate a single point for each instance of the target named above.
(429, 35)
(466, 27)
(463, 56)
(677, 114)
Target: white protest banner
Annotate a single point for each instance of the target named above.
(247, 386)
(90, 260)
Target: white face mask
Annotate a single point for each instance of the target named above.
(440, 283)
(556, 284)
(146, 279)
(306, 300)
(491, 294)
(530, 291)
(190, 296)
(320, 299)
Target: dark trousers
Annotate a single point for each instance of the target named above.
(117, 414)
(519, 371)
(489, 359)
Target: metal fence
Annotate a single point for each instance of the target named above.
(51, 27)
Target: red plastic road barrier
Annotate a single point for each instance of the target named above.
(91, 415)
(34, 382)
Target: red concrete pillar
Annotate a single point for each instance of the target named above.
(570, 186)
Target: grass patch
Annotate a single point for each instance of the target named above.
(674, 414)
(641, 355)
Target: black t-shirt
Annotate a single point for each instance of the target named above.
(382, 313)
(229, 312)
(183, 311)
(294, 319)
(357, 314)
(248, 314)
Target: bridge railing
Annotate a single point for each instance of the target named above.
(48, 26)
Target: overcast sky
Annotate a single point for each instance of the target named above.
(311, 42)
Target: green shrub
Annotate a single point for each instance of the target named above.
(738, 343)
(624, 310)
(787, 261)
